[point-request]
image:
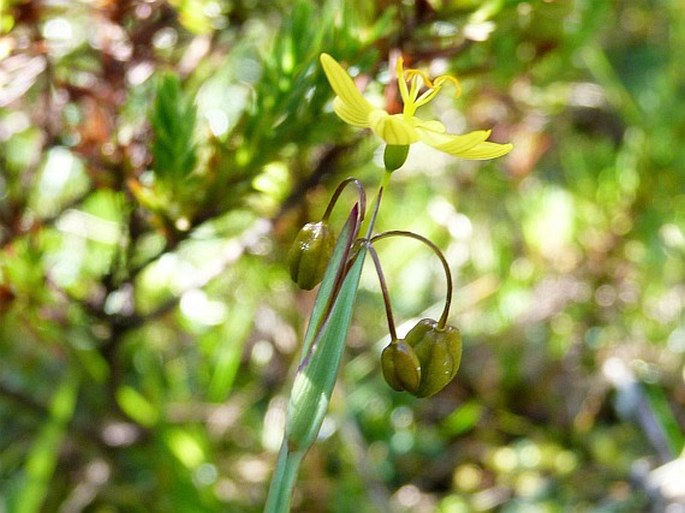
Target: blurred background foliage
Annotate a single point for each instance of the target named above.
(158, 158)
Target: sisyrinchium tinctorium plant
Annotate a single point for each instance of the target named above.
(428, 357)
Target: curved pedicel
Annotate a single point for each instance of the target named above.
(427, 359)
(436, 250)
(336, 194)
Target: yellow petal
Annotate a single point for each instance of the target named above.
(486, 150)
(393, 129)
(349, 115)
(354, 106)
(452, 144)
(431, 125)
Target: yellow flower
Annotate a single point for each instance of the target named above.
(401, 130)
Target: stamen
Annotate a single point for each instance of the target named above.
(420, 79)
(414, 91)
(448, 78)
(411, 73)
(402, 84)
(427, 96)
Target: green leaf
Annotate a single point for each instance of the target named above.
(324, 341)
(322, 350)
(137, 406)
(42, 459)
(463, 419)
(173, 121)
(228, 350)
(334, 270)
(663, 415)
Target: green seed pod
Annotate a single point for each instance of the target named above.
(394, 156)
(310, 254)
(401, 367)
(439, 352)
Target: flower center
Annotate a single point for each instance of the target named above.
(421, 89)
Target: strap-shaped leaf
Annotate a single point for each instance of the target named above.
(332, 277)
(324, 341)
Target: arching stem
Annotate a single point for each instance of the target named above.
(448, 274)
(338, 191)
(384, 291)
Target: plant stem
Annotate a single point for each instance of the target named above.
(443, 261)
(283, 480)
(338, 191)
(367, 227)
(384, 291)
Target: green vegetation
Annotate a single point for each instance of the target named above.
(157, 161)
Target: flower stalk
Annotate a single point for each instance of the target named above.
(338, 191)
(448, 274)
(384, 291)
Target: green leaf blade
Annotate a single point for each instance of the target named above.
(324, 345)
(173, 122)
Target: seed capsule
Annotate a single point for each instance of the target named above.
(438, 351)
(423, 362)
(310, 254)
(401, 368)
